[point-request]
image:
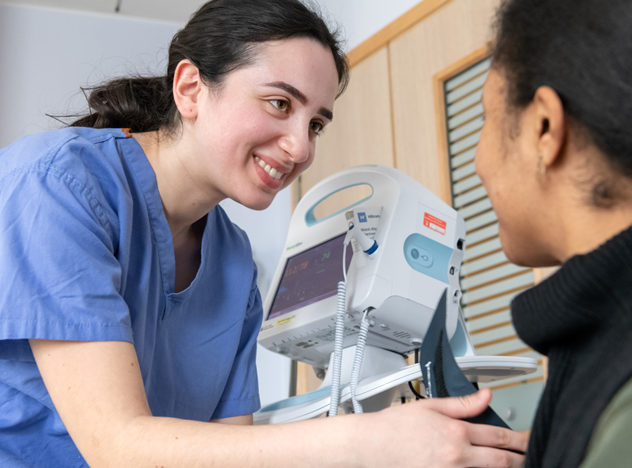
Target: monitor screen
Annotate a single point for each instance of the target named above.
(310, 276)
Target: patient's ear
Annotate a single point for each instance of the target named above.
(548, 124)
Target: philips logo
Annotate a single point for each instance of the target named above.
(362, 217)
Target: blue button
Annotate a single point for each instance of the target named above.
(428, 256)
(425, 259)
(420, 257)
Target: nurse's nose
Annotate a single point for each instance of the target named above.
(297, 144)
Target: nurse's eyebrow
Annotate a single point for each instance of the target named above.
(326, 113)
(299, 96)
(290, 89)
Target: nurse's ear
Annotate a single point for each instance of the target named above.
(187, 89)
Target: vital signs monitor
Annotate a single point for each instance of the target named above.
(421, 241)
(402, 248)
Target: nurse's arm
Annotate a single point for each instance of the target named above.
(245, 420)
(98, 391)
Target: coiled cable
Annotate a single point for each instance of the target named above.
(357, 361)
(334, 400)
(339, 337)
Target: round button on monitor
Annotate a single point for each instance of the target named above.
(428, 256)
(421, 257)
(425, 259)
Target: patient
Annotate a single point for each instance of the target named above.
(555, 156)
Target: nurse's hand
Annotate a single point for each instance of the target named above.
(430, 433)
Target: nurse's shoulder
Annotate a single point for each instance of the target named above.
(81, 168)
(59, 150)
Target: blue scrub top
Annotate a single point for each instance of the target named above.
(86, 254)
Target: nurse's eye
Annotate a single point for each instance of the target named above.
(316, 127)
(281, 104)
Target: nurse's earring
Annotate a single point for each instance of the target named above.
(540, 169)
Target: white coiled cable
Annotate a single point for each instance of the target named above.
(357, 361)
(334, 400)
(337, 364)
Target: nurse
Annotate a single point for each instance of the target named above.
(128, 303)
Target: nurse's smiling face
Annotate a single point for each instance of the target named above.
(257, 133)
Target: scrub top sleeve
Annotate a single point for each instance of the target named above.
(60, 278)
(241, 393)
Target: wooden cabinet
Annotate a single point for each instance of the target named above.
(361, 132)
(456, 31)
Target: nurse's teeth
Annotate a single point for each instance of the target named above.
(270, 170)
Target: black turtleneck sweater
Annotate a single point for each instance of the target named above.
(581, 318)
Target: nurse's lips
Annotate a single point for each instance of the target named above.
(272, 176)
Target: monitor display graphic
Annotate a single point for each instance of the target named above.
(310, 276)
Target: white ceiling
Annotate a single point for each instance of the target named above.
(359, 19)
(166, 10)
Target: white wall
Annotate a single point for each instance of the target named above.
(46, 54)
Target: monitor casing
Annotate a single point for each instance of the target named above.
(421, 241)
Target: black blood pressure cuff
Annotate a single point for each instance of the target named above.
(442, 377)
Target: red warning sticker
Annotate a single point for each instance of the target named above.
(435, 223)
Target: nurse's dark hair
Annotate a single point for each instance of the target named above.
(219, 38)
(582, 50)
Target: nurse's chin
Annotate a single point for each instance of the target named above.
(258, 204)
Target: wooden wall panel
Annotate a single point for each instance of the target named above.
(453, 32)
(361, 130)
(408, 20)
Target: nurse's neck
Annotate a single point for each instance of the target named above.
(184, 204)
(184, 200)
